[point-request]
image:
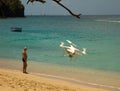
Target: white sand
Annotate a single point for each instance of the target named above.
(13, 80)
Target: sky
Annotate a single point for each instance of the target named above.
(84, 7)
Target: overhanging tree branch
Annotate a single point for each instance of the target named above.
(58, 2)
(42, 1)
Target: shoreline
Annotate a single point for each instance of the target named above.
(94, 85)
(12, 80)
(84, 80)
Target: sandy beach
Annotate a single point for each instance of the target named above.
(14, 80)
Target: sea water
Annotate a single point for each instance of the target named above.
(42, 35)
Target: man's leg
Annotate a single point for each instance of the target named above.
(23, 67)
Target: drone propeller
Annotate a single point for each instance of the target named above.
(70, 42)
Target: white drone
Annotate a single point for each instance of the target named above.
(71, 50)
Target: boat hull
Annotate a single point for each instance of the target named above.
(16, 29)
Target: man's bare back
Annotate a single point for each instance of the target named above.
(24, 54)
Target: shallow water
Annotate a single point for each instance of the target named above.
(42, 35)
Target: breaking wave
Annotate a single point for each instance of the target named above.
(114, 21)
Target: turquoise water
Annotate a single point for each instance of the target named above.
(42, 35)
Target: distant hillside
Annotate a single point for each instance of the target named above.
(11, 8)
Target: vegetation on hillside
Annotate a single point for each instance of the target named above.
(11, 8)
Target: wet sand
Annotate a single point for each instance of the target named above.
(12, 78)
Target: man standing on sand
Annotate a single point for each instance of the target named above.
(24, 59)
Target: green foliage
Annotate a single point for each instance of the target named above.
(11, 8)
